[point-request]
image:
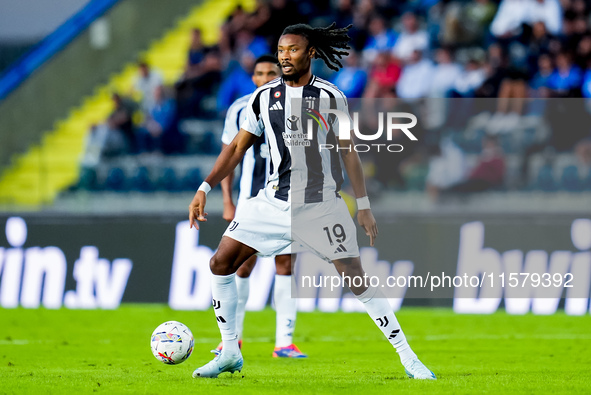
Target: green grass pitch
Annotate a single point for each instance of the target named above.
(72, 351)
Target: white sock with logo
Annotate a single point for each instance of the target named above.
(286, 309)
(380, 311)
(243, 289)
(224, 294)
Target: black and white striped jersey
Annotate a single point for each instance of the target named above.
(299, 171)
(254, 169)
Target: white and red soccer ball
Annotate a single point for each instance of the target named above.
(172, 343)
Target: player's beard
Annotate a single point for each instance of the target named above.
(293, 76)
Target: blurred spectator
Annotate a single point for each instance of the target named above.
(419, 7)
(411, 39)
(115, 136)
(416, 78)
(158, 131)
(566, 80)
(121, 121)
(445, 73)
(575, 27)
(512, 15)
(539, 44)
(364, 10)
(310, 10)
(237, 21)
(258, 19)
(384, 76)
(583, 56)
(447, 167)
(388, 166)
(195, 56)
(380, 39)
(246, 41)
(586, 86)
(94, 145)
(467, 22)
(488, 174)
(581, 27)
(196, 97)
(351, 79)
(583, 152)
(501, 74)
(512, 94)
(539, 82)
(579, 7)
(478, 16)
(277, 15)
(237, 82)
(343, 16)
(145, 85)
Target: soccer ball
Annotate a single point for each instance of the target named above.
(172, 343)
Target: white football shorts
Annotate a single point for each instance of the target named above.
(270, 225)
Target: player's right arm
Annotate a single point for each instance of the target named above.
(226, 162)
(226, 184)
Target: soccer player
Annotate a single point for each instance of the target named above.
(302, 188)
(252, 179)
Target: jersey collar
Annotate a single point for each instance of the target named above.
(309, 82)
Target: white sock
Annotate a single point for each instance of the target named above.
(223, 292)
(286, 309)
(380, 311)
(243, 288)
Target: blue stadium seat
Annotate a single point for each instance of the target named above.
(88, 179)
(545, 181)
(209, 144)
(570, 179)
(416, 178)
(168, 180)
(115, 180)
(192, 179)
(141, 180)
(586, 182)
(506, 142)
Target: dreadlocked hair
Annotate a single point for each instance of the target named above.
(328, 41)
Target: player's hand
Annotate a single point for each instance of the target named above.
(197, 209)
(229, 211)
(368, 223)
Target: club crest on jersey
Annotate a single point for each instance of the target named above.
(292, 123)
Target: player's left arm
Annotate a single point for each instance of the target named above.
(355, 172)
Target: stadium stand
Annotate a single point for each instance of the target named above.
(56, 159)
(475, 68)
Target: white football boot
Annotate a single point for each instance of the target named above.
(221, 363)
(416, 370)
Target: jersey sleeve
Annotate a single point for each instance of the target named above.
(253, 122)
(231, 125)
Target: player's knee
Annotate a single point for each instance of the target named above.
(350, 267)
(220, 266)
(283, 265)
(244, 271)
